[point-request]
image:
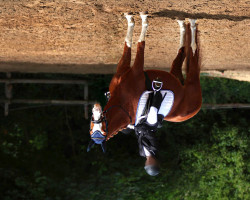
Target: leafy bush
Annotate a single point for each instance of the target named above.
(43, 153)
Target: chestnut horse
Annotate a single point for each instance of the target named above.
(128, 83)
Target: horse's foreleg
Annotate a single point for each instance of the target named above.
(139, 59)
(176, 68)
(124, 63)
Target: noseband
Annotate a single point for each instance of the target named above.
(102, 119)
(97, 121)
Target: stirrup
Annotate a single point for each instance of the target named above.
(157, 85)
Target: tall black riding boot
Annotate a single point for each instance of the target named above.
(160, 119)
(157, 99)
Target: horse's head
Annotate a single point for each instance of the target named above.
(117, 111)
(97, 128)
(115, 117)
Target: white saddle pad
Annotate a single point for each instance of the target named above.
(165, 108)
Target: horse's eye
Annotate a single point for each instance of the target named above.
(107, 95)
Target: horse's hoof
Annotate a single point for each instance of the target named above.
(130, 18)
(192, 21)
(144, 13)
(180, 22)
(128, 13)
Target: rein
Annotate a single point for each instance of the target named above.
(106, 111)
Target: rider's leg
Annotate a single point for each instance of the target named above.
(152, 117)
(124, 63)
(176, 68)
(139, 59)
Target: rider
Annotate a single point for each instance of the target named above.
(145, 132)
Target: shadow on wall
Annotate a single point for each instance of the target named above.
(28, 67)
(173, 14)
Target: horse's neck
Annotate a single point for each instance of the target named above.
(119, 118)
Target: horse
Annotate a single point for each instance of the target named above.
(128, 83)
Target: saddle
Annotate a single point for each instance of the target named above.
(146, 98)
(145, 102)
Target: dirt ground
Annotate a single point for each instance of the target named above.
(78, 36)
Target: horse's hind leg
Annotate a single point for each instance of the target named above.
(193, 35)
(176, 68)
(139, 59)
(124, 63)
(131, 25)
(193, 97)
(182, 33)
(192, 53)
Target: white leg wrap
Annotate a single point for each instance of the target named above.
(152, 115)
(144, 27)
(182, 32)
(193, 31)
(131, 25)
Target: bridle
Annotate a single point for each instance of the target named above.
(98, 137)
(103, 117)
(97, 121)
(104, 113)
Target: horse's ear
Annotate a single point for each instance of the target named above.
(91, 144)
(103, 146)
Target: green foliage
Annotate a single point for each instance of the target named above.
(12, 143)
(222, 90)
(44, 157)
(218, 166)
(39, 142)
